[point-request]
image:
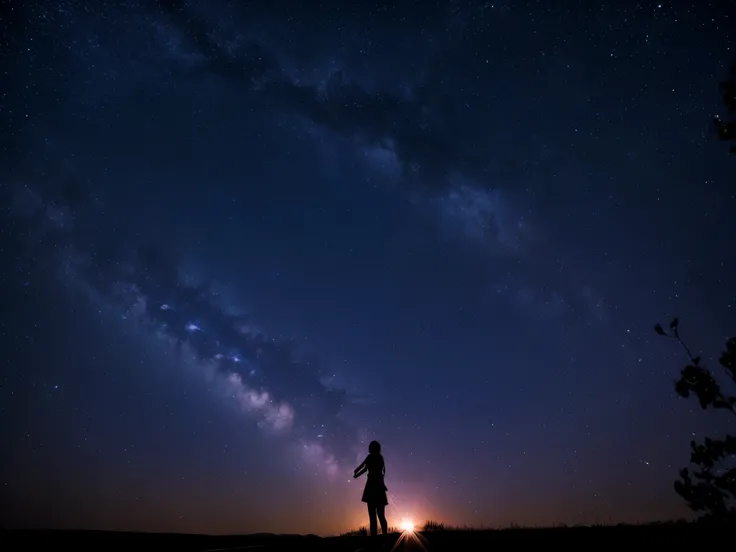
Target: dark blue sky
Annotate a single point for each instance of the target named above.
(240, 242)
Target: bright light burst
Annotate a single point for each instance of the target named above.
(409, 538)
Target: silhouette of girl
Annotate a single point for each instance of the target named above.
(374, 493)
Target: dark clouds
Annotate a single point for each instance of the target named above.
(419, 127)
(440, 132)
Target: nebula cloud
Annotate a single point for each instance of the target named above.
(266, 378)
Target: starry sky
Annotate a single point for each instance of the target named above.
(242, 239)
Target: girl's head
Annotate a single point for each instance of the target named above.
(374, 447)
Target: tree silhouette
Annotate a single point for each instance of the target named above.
(726, 129)
(710, 487)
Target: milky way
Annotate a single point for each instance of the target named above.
(268, 380)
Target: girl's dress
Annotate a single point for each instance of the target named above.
(375, 489)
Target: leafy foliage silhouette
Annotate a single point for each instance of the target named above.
(711, 486)
(726, 129)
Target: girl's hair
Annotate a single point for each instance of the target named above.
(374, 447)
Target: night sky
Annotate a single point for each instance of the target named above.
(242, 239)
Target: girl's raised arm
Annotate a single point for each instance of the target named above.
(361, 469)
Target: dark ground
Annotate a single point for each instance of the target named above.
(680, 534)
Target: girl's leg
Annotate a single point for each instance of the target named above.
(381, 512)
(372, 519)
